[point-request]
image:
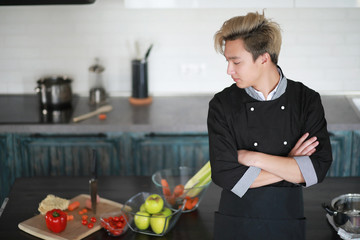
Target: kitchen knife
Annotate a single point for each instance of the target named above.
(93, 181)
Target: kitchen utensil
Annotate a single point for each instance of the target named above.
(139, 79)
(93, 182)
(103, 109)
(148, 53)
(54, 92)
(97, 95)
(97, 90)
(74, 230)
(345, 210)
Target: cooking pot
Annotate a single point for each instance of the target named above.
(54, 92)
(345, 210)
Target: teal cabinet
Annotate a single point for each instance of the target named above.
(27, 155)
(341, 144)
(6, 166)
(355, 163)
(152, 152)
(67, 155)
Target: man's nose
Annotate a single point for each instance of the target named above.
(230, 69)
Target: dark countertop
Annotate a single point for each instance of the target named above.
(165, 114)
(26, 194)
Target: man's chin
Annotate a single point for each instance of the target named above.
(239, 85)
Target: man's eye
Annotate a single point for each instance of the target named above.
(236, 63)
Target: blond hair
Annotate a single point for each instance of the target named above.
(259, 34)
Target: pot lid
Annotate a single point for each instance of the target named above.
(54, 79)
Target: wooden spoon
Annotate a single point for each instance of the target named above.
(103, 109)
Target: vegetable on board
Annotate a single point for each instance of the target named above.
(56, 220)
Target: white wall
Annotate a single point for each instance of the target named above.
(321, 47)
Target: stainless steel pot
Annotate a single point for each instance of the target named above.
(345, 210)
(54, 92)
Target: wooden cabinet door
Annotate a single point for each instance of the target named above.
(67, 155)
(341, 151)
(152, 152)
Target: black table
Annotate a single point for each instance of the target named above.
(27, 193)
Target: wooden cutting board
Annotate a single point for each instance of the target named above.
(36, 226)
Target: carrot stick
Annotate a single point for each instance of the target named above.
(194, 202)
(70, 217)
(188, 204)
(165, 186)
(170, 199)
(73, 205)
(178, 190)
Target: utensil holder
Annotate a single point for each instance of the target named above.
(139, 72)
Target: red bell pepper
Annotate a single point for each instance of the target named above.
(56, 220)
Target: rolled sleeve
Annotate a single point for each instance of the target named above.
(307, 170)
(245, 182)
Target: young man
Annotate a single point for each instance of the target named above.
(267, 134)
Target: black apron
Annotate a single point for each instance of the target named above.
(269, 212)
(262, 213)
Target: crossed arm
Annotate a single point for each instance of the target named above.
(277, 168)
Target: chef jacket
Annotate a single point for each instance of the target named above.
(238, 119)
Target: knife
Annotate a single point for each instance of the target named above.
(93, 181)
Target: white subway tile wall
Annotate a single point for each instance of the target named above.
(321, 46)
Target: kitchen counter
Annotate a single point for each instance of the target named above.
(27, 193)
(165, 114)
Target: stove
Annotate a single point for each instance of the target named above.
(26, 109)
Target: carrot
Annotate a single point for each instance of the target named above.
(188, 204)
(70, 217)
(178, 190)
(194, 202)
(73, 205)
(102, 116)
(191, 202)
(170, 199)
(165, 186)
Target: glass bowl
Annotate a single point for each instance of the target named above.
(115, 223)
(167, 182)
(162, 224)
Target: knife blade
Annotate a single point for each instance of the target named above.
(93, 182)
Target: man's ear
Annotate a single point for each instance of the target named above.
(265, 58)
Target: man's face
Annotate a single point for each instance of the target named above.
(241, 67)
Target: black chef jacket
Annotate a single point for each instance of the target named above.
(237, 121)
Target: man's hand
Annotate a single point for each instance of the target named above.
(304, 148)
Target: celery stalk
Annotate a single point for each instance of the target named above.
(198, 188)
(201, 178)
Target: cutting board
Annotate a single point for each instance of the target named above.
(36, 226)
